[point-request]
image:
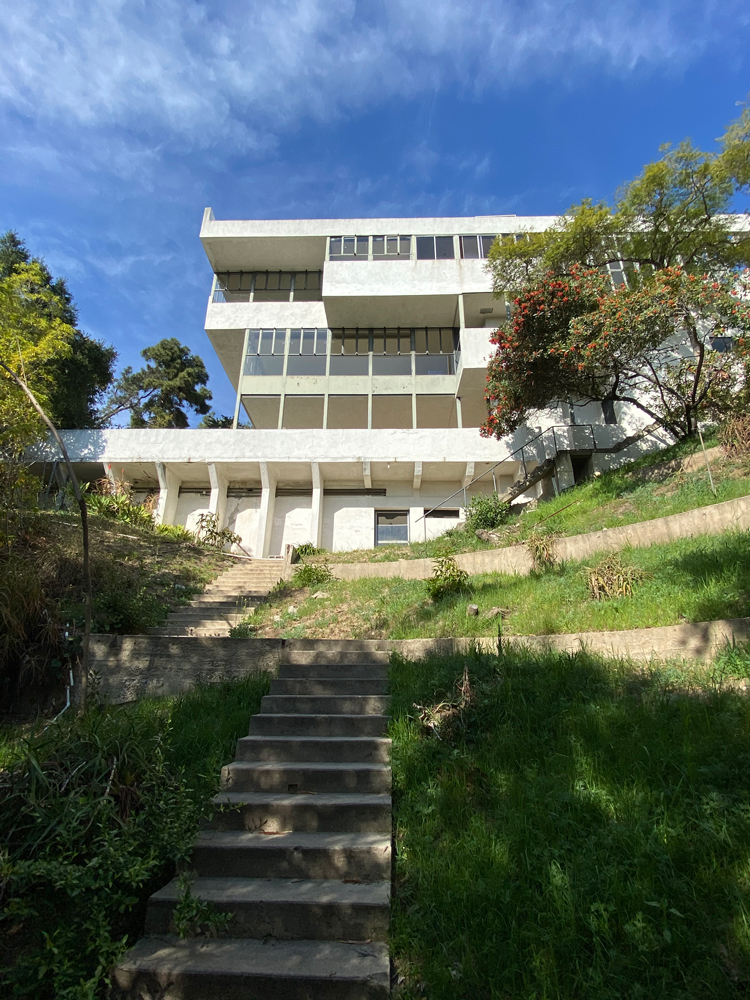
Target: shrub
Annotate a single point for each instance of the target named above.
(610, 578)
(242, 630)
(542, 548)
(446, 578)
(734, 436)
(311, 576)
(210, 534)
(174, 532)
(486, 512)
(120, 507)
(308, 549)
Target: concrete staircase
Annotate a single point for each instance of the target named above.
(299, 852)
(225, 601)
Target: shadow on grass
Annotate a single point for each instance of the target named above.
(721, 565)
(581, 830)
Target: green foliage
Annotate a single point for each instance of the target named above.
(307, 575)
(96, 813)
(76, 378)
(541, 545)
(245, 629)
(213, 421)
(308, 549)
(174, 532)
(486, 511)
(735, 436)
(120, 507)
(194, 917)
(211, 535)
(446, 579)
(157, 395)
(579, 830)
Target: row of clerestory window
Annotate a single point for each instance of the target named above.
(475, 247)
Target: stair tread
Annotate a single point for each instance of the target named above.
(249, 957)
(231, 889)
(308, 798)
(223, 839)
(310, 765)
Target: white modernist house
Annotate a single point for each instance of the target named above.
(357, 349)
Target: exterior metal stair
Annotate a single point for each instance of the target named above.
(225, 601)
(299, 851)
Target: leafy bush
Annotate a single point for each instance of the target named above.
(120, 507)
(446, 578)
(311, 576)
(174, 532)
(95, 814)
(486, 512)
(242, 630)
(210, 534)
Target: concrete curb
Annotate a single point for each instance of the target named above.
(516, 559)
(131, 667)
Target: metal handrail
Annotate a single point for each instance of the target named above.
(546, 430)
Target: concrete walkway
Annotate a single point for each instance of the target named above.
(298, 853)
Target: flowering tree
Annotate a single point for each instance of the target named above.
(662, 347)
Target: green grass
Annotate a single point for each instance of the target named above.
(639, 491)
(689, 580)
(580, 830)
(96, 813)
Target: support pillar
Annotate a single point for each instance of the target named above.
(218, 503)
(316, 513)
(417, 481)
(366, 476)
(169, 494)
(265, 515)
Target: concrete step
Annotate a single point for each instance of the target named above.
(298, 777)
(217, 632)
(285, 909)
(237, 969)
(278, 813)
(343, 749)
(328, 686)
(318, 725)
(313, 656)
(363, 645)
(219, 604)
(205, 620)
(362, 856)
(376, 671)
(354, 704)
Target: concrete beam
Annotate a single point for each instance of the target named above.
(469, 475)
(366, 474)
(169, 494)
(316, 513)
(265, 516)
(417, 475)
(218, 503)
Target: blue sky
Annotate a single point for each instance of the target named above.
(121, 121)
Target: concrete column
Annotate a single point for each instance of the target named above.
(564, 476)
(469, 475)
(265, 517)
(169, 494)
(218, 503)
(417, 527)
(459, 416)
(240, 376)
(316, 513)
(108, 473)
(417, 481)
(366, 474)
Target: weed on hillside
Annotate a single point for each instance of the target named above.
(96, 813)
(570, 828)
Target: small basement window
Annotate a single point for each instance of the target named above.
(443, 512)
(391, 527)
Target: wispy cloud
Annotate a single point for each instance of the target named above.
(189, 75)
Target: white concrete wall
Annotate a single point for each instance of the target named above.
(349, 523)
(291, 523)
(189, 508)
(242, 518)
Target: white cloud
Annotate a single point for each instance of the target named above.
(192, 75)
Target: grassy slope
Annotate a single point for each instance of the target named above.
(689, 580)
(581, 830)
(649, 488)
(99, 812)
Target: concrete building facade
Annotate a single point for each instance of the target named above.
(357, 350)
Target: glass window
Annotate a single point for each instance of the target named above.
(266, 342)
(486, 242)
(434, 364)
(347, 411)
(378, 341)
(420, 341)
(378, 246)
(308, 342)
(263, 411)
(221, 280)
(233, 283)
(391, 244)
(335, 246)
(433, 341)
(259, 364)
(303, 411)
(363, 244)
(295, 339)
(321, 346)
(246, 282)
(444, 248)
(350, 364)
(392, 527)
(395, 364)
(253, 340)
(425, 247)
(470, 247)
(306, 364)
(405, 245)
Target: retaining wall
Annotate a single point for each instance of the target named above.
(141, 666)
(516, 559)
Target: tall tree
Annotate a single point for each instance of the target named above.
(158, 395)
(644, 301)
(76, 379)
